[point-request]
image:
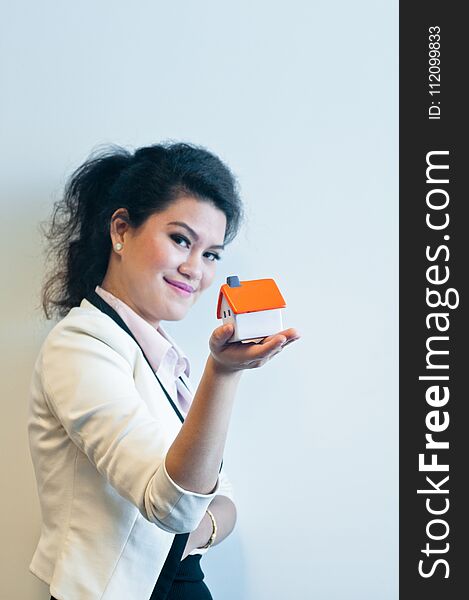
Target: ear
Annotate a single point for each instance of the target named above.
(120, 225)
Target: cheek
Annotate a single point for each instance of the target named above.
(209, 275)
(156, 257)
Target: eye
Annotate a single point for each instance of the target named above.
(180, 240)
(212, 256)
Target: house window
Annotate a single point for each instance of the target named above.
(224, 313)
(229, 313)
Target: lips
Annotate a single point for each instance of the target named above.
(179, 284)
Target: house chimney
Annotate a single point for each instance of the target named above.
(233, 281)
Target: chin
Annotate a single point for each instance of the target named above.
(175, 315)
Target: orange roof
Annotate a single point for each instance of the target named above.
(251, 296)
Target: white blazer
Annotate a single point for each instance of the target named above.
(99, 429)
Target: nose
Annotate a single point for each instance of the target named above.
(191, 268)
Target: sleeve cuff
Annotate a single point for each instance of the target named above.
(181, 490)
(172, 507)
(199, 551)
(226, 487)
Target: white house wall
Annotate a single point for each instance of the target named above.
(258, 324)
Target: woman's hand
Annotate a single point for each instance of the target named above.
(237, 356)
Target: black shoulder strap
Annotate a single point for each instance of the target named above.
(171, 565)
(98, 302)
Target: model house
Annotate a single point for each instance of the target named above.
(254, 307)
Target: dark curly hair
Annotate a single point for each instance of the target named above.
(144, 182)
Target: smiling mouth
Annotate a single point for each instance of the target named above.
(184, 288)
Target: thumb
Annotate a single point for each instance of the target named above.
(222, 334)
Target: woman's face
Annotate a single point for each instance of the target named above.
(166, 263)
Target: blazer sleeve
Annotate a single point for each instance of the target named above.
(225, 486)
(88, 382)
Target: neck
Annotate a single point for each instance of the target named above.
(119, 292)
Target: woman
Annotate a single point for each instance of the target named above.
(128, 461)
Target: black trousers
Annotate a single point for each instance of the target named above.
(188, 584)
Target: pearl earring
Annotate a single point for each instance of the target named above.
(118, 246)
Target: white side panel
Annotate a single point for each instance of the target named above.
(258, 324)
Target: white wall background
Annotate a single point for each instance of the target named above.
(300, 98)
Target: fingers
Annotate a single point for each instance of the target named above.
(259, 362)
(289, 342)
(274, 344)
(290, 334)
(286, 334)
(264, 350)
(283, 337)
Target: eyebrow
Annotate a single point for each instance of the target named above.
(194, 234)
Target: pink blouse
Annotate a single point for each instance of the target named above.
(166, 359)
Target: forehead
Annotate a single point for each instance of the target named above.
(208, 221)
